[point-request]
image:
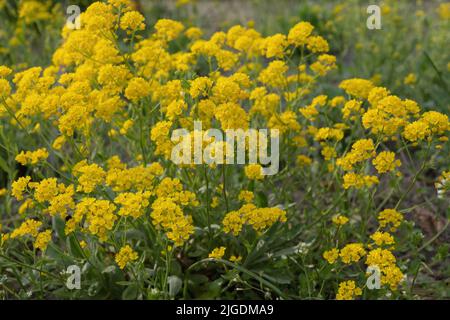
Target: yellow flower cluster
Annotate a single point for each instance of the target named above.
(168, 213)
(381, 257)
(217, 253)
(89, 176)
(384, 259)
(132, 204)
(385, 162)
(19, 186)
(254, 172)
(32, 157)
(259, 218)
(390, 217)
(98, 216)
(352, 252)
(42, 240)
(125, 255)
(348, 291)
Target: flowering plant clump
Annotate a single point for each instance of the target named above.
(93, 181)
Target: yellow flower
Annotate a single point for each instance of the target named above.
(42, 240)
(339, 220)
(89, 176)
(99, 217)
(45, 190)
(324, 64)
(329, 134)
(233, 222)
(125, 255)
(193, 33)
(258, 218)
(331, 255)
(348, 291)
(133, 21)
(137, 88)
(352, 253)
(275, 45)
(235, 259)
(133, 204)
(32, 157)
(167, 29)
(352, 107)
(246, 196)
(390, 217)
(28, 227)
(358, 181)
(299, 34)
(303, 160)
(19, 186)
(171, 218)
(359, 88)
(254, 172)
(444, 10)
(410, 79)
(417, 130)
(5, 88)
(59, 142)
(273, 75)
(381, 258)
(385, 162)
(200, 87)
(362, 150)
(317, 44)
(4, 71)
(382, 238)
(217, 253)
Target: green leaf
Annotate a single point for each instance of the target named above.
(74, 247)
(130, 293)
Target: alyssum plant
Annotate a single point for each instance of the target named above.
(96, 186)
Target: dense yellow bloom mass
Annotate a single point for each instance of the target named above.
(348, 291)
(340, 220)
(254, 172)
(137, 88)
(28, 227)
(359, 181)
(106, 108)
(42, 240)
(32, 157)
(258, 218)
(359, 88)
(125, 255)
(382, 238)
(300, 33)
(132, 204)
(89, 176)
(132, 21)
(171, 218)
(361, 150)
(383, 259)
(19, 186)
(385, 162)
(246, 196)
(352, 252)
(390, 217)
(331, 255)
